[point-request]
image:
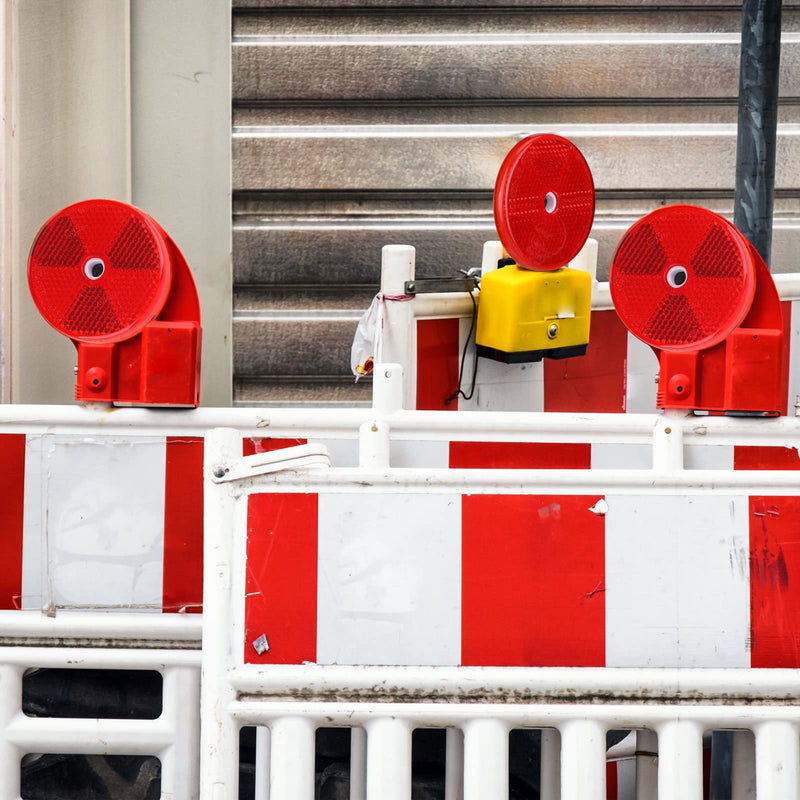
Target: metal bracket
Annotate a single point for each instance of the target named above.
(428, 285)
(304, 456)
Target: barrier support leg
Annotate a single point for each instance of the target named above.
(292, 750)
(680, 760)
(485, 760)
(777, 761)
(388, 759)
(10, 706)
(583, 761)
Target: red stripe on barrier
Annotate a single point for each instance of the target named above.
(611, 781)
(593, 382)
(520, 455)
(251, 446)
(755, 457)
(438, 354)
(183, 525)
(12, 503)
(774, 575)
(281, 585)
(533, 581)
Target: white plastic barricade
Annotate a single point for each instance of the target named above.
(487, 597)
(173, 736)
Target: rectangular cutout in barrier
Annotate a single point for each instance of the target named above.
(69, 777)
(92, 693)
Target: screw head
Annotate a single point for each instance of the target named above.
(552, 331)
(219, 471)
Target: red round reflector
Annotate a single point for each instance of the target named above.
(544, 202)
(99, 270)
(682, 278)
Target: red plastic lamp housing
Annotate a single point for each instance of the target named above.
(544, 202)
(106, 275)
(685, 281)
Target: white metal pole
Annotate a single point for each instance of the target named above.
(10, 707)
(219, 736)
(583, 760)
(292, 749)
(777, 761)
(492, 253)
(180, 767)
(388, 759)
(668, 442)
(399, 331)
(680, 760)
(485, 759)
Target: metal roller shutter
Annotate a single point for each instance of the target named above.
(356, 126)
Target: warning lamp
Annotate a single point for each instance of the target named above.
(534, 306)
(685, 281)
(106, 275)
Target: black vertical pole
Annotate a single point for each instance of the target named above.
(758, 122)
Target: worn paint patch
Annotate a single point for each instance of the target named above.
(94, 522)
(775, 581)
(673, 598)
(389, 579)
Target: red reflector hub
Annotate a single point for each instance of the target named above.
(682, 278)
(544, 202)
(99, 271)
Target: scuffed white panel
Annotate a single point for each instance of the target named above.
(94, 522)
(677, 581)
(642, 369)
(622, 456)
(499, 387)
(432, 455)
(705, 456)
(389, 579)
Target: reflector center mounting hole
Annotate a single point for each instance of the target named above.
(550, 202)
(676, 276)
(94, 268)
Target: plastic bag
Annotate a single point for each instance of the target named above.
(362, 352)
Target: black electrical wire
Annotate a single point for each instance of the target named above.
(460, 392)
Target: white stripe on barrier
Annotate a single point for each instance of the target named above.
(677, 581)
(94, 521)
(389, 579)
